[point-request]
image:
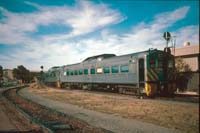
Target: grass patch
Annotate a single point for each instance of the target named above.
(167, 114)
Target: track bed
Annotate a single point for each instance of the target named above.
(52, 120)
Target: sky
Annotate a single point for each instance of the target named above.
(54, 33)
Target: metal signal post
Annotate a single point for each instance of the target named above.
(167, 37)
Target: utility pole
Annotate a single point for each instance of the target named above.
(174, 43)
(41, 73)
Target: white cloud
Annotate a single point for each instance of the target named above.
(53, 50)
(83, 18)
(167, 19)
(151, 33)
(142, 36)
(187, 34)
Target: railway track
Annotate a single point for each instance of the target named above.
(49, 119)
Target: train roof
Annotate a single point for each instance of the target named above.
(54, 68)
(110, 56)
(103, 56)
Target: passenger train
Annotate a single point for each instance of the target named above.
(149, 73)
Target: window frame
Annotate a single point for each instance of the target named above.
(124, 71)
(99, 72)
(67, 72)
(152, 63)
(75, 72)
(105, 71)
(80, 72)
(92, 71)
(112, 70)
(84, 71)
(71, 73)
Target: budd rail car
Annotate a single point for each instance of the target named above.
(149, 72)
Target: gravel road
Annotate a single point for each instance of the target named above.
(109, 122)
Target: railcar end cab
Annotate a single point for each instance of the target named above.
(160, 70)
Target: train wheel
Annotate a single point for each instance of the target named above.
(120, 90)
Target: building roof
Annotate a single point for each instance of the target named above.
(187, 50)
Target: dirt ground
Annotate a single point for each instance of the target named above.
(174, 115)
(45, 117)
(14, 121)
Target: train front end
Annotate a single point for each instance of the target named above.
(160, 73)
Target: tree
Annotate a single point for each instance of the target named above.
(21, 73)
(183, 71)
(181, 66)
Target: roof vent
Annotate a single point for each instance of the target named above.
(186, 44)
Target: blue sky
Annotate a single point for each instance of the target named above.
(51, 33)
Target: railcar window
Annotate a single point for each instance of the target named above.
(99, 70)
(75, 72)
(85, 71)
(64, 73)
(152, 63)
(80, 72)
(92, 71)
(71, 73)
(68, 73)
(106, 70)
(52, 75)
(124, 68)
(115, 69)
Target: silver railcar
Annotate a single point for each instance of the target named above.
(141, 73)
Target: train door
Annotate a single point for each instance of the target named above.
(141, 73)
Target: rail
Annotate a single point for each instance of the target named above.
(50, 119)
